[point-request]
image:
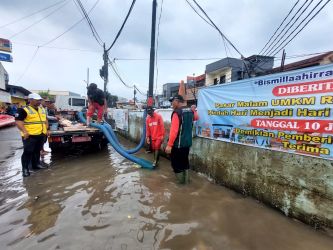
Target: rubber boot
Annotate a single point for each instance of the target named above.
(25, 172)
(186, 176)
(156, 158)
(180, 178)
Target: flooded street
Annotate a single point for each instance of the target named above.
(102, 201)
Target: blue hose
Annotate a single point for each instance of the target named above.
(142, 162)
(142, 140)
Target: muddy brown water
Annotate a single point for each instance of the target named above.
(102, 201)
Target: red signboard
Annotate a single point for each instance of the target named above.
(5, 45)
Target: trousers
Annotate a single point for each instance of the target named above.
(31, 151)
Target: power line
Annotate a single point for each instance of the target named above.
(115, 70)
(122, 26)
(284, 45)
(28, 66)
(170, 59)
(203, 11)
(71, 27)
(90, 24)
(53, 47)
(285, 33)
(210, 24)
(279, 26)
(194, 9)
(38, 21)
(292, 18)
(34, 13)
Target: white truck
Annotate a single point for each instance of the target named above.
(70, 103)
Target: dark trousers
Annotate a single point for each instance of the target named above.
(179, 159)
(31, 151)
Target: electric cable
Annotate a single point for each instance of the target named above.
(28, 65)
(292, 18)
(70, 28)
(117, 74)
(122, 26)
(90, 24)
(38, 21)
(286, 32)
(279, 26)
(34, 13)
(194, 9)
(221, 33)
(284, 45)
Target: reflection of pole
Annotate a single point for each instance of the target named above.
(150, 100)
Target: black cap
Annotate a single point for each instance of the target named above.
(177, 97)
(150, 110)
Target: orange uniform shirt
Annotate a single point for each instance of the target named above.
(155, 127)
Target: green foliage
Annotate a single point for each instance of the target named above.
(46, 95)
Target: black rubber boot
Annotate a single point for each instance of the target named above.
(25, 172)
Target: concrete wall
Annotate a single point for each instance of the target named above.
(299, 186)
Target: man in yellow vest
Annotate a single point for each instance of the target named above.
(32, 123)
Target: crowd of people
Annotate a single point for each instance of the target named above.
(9, 109)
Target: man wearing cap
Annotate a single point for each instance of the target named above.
(180, 138)
(32, 123)
(154, 133)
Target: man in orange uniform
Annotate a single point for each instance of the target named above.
(154, 132)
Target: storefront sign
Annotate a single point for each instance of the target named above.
(6, 57)
(5, 45)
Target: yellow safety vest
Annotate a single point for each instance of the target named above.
(35, 122)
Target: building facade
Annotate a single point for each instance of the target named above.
(4, 95)
(234, 69)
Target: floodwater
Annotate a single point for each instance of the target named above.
(102, 201)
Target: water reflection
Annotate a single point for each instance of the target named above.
(102, 201)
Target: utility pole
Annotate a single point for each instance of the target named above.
(150, 100)
(134, 95)
(282, 61)
(87, 77)
(105, 68)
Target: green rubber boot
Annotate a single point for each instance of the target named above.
(156, 158)
(180, 178)
(186, 176)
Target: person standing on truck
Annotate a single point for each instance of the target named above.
(97, 101)
(180, 138)
(154, 133)
(32, 123)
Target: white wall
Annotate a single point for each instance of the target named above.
(2, 77)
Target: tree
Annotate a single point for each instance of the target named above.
(111, 100)
(46, 95)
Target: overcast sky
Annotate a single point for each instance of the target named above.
(248, 24)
